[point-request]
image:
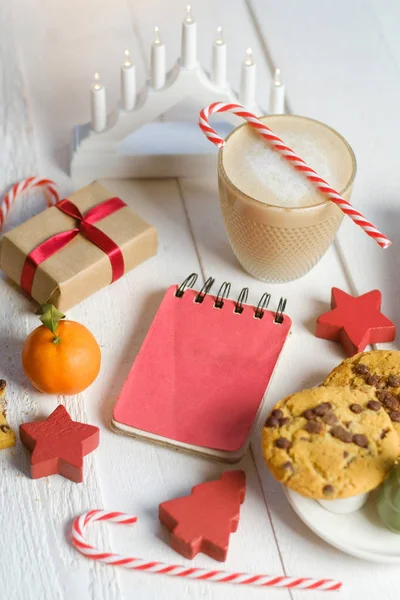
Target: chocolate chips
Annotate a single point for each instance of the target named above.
(391, 402)
(313, 427)
(395, 416)
(384, 433)
(5, 428)
(328, 490)
(341, 434)
(393, 381)
(283, 443)
(360, 440)
(309, 414)
(374, 405)
(277, 413)
(369, 378)
(374, 380)
(385, 397)
(276, 419)
(356, 408)
(330, 418)
(382, 395)
(288, 466)
(322, 408)
(272, 422)
(361, 369)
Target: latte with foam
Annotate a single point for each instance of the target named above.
(278, 223)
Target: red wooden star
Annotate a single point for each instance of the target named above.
(58, 445)
(203, 521)
(355, 321)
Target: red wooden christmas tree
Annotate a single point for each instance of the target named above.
(203, 521)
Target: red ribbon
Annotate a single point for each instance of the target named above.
(86, 228)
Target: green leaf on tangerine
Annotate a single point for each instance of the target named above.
(50, 316)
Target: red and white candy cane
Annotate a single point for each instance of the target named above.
(138, 564)
(291, 156)
(23, 186)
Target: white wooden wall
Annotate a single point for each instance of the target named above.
(340, 61)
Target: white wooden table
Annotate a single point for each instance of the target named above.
(341, 63)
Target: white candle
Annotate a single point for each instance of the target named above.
(98, 104)
(277, 95)
(218, 64)
(128, 83)
(157, 61)
(189, 27)
(248, 80)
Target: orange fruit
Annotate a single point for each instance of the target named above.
(64, 362)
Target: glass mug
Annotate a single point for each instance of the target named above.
(278, 224)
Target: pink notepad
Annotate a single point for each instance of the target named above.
(200, 376)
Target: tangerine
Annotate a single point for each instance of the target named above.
(63, 361)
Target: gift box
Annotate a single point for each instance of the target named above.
(73, 249)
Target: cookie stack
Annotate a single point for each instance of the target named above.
(341, 439)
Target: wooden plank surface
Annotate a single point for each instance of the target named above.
(135, 476)
(49, 52)
(341, 67)
(336, 75)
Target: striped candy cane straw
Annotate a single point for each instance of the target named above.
(23, 186)
(291, 156)
(138, 564)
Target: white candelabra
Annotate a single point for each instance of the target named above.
(129, 142)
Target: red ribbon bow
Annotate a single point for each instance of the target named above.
(87, 229)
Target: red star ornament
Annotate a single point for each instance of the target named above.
(203, 521)
(58, 445)
(355, 321)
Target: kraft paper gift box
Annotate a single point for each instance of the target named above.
(80, 268)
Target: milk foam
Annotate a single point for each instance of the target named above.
(262, 173)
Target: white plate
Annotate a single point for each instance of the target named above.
(360, 533)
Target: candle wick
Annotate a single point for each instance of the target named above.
(157, 32)
(96, 85)
(188, 18)
(127, 62)
(277, 78)
(249, 57)
(219, 39)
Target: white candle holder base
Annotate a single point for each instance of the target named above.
(136, 144)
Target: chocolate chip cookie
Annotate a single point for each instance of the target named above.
(376, 372)
(328, 443)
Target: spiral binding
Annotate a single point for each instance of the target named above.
(188, 283)
(223, 294)
(242, 299)
(204, 290)
(262, 306)
(281, 309)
